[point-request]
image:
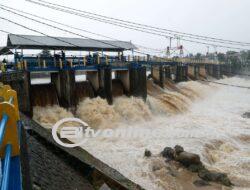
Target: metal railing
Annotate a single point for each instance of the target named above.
(9, 139)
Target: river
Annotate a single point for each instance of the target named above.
(203, 118)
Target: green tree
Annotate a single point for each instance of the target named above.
(221, 57)
(45, 53)
(198, 56)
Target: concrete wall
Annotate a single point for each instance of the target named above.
(51, 169)
(47, 165)
(138, 82)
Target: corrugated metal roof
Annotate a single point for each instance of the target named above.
(5, 51)
(62, 43)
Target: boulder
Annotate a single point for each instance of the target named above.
(168, 153)
(214, 177)
(188, 159)
(196, 167)
(246, 115)
(147, 153)
(178, 149)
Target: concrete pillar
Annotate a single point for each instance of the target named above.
(64, 81)
(158, 75)
(138, 81)
(196, 71)
(167, 72)
(181, 74)
(105, 83)
(217, 71)
(178, 73)
(185, 72)
(209, 68)
(25, 105)
(55, 79)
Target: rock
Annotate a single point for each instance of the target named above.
(168, 152)
(246, 115)
(188, 159)
(200, 183)
(147, 153)
(178, 149)
(196, 167)
(214, 177)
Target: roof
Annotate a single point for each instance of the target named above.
(62, 43)
(5, 51)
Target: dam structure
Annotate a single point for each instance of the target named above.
(62, 70)
(44, 164)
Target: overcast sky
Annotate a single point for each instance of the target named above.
(227, 19)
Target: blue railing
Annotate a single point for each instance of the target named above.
(3, 127)
(6, 167)
(9, 140)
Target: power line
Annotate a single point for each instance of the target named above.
(107, 21)
(103, 20)
(151, 49)
(70, 26)
(142, 26)
(132, 27)
(13, 22)
(55, 27)
(62, 24)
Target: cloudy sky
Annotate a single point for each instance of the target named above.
(227, 19)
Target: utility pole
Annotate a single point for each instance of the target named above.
(207, 50)
(215, 54)
(169, 47)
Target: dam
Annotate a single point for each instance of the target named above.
(197, 104)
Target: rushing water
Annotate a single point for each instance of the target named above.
(203, 118)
